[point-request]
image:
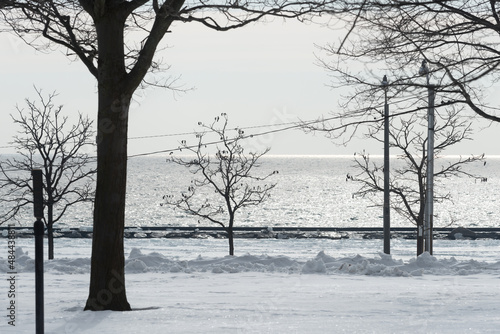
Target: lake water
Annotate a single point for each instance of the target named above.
(311, 191)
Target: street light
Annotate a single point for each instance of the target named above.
(387, 210)
(429, 198)
(424, 70)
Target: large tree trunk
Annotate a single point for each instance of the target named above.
(107, 279)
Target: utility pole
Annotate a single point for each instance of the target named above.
(429, 186)
(387, 208)
(429, 206)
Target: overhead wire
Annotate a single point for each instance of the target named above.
(194, 132)
(299, 124)
(292, 125)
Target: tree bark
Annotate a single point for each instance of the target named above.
(107, 276)
(420, 238)
(50, 239)
(230, 232)
(50, 222)
(230, 236)
(107, 280)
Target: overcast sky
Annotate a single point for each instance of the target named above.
(262, 74)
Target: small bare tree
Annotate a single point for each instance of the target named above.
(48, 142)
(227, 175)
(408, 179)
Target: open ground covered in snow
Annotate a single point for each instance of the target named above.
(270, 286)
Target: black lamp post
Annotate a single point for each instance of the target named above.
(387, 209)
(38, 231)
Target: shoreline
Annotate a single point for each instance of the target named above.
(459, 233)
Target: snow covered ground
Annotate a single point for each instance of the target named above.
(270, 286)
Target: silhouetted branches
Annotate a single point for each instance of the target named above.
(47, 141)
(226, 182)
(408, 140)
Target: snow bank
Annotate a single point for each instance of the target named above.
(383, 265)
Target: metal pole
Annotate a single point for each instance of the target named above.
(429, 205)
(38, 227)
(38, 231)
(387, 210)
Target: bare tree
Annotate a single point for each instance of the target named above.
(117, 42)
(458, 40)
(408, 136)
(226, 183)
(48, 142)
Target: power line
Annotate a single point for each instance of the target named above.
(194, 133)
(294, 125)
(165, 135)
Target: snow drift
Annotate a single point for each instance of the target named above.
(383, 265)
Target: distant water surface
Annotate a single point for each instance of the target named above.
(310, 191)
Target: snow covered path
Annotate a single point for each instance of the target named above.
(294, 288)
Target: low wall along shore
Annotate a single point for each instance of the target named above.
(271, 232)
